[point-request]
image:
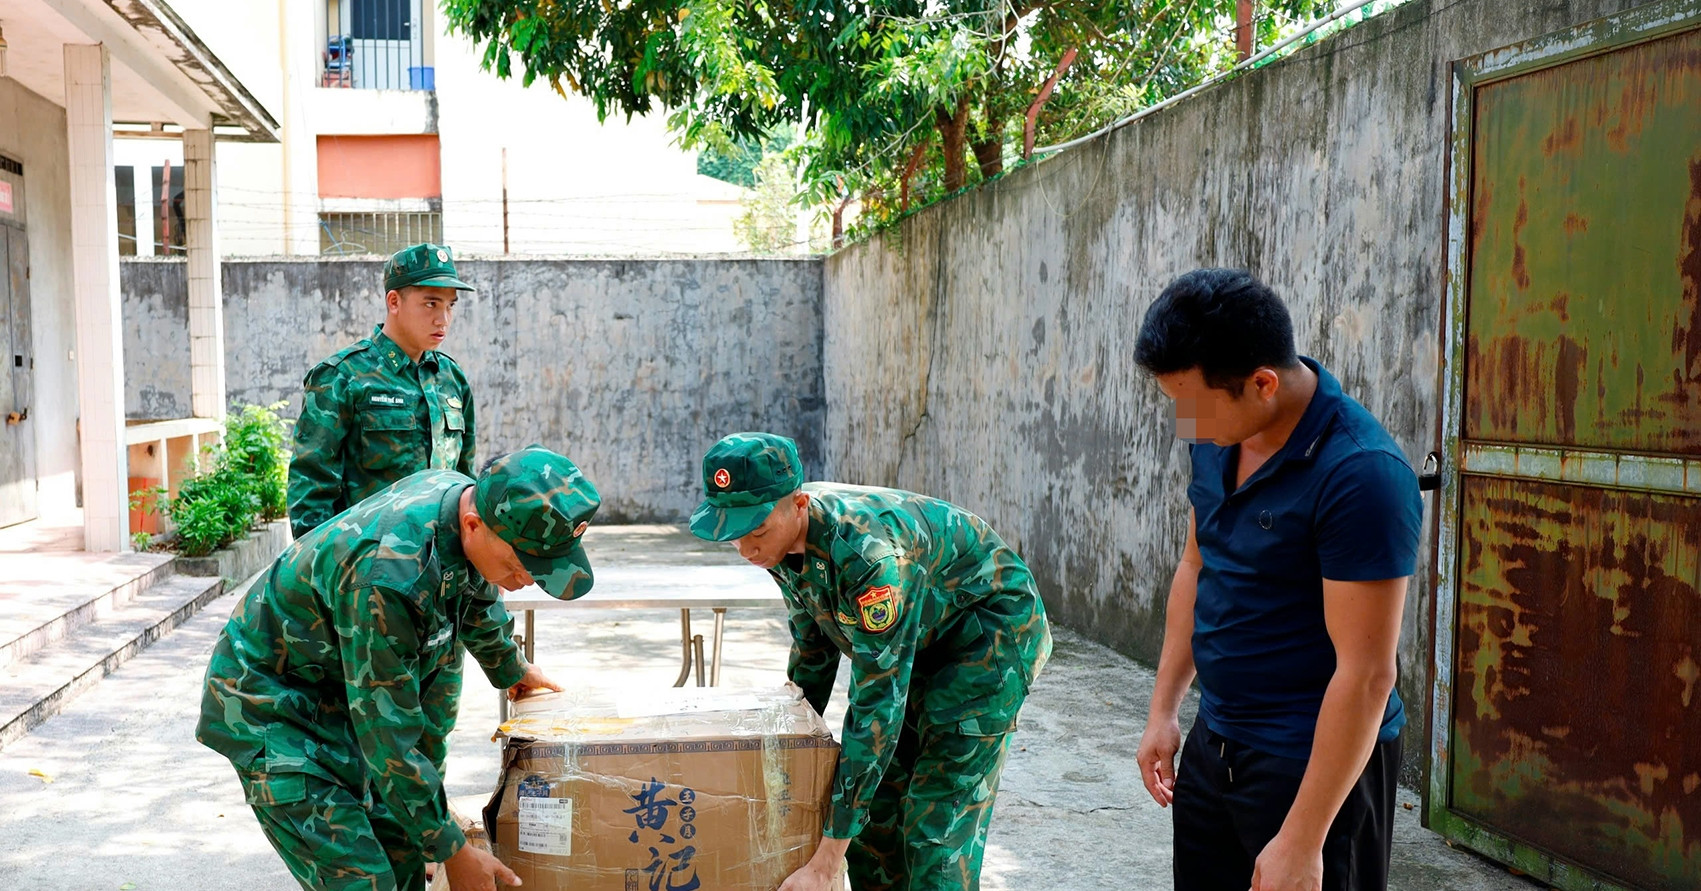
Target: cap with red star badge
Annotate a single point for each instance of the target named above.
(744, 476)
(423, 265)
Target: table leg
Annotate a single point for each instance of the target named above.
(715, 660)
(697, 643)
(685, 645)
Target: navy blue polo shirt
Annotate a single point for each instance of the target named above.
(1338, 501)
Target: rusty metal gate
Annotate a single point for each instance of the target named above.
(1567, 719)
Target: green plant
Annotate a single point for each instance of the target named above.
(141, 541)
(255, 445)
(241, 481)
(150, 500)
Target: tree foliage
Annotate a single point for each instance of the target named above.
(900, 101)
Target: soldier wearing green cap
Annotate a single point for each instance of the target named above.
(321, 689)
(945, 632)
(388, 405)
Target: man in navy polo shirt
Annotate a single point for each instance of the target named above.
(1286, 604)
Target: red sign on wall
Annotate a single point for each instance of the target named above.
(6, 198)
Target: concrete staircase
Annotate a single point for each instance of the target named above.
(69, 619)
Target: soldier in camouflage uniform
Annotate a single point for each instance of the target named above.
(945, 632)
(321, 688)
(389, 405)
(384, 408)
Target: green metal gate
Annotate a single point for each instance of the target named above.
(1567, 719)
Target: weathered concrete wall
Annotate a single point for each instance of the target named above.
(983, 351)
(632, 368)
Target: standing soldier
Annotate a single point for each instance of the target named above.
(389, 405)
(386, 407)
(945, 631)
(321, 689)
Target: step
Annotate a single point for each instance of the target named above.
(45, 596)
(35, 689)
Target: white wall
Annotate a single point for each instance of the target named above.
(574, 185)
(32, 130)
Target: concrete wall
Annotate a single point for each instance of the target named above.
(982, 352)
(32, 131)
(632, 368)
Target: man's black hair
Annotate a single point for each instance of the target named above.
(1224, 322)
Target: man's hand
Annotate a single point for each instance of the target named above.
(1156, 757)
(821, 873)
(810, 878)
(1284, 865)
(534, 681)
(474, 869)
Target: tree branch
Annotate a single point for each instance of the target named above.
(1039, 101)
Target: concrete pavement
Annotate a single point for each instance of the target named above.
(136, 804)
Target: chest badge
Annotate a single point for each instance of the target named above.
(390, 399)
(844, 619)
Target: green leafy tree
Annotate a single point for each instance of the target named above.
(899, 100)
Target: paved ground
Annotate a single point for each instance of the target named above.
(136, 804)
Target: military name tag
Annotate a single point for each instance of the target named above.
(389, 399)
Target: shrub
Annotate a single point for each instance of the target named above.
(255, 445)
(244, 479)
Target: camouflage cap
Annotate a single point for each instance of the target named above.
(745, 475)
(539, 503)
(425, 265)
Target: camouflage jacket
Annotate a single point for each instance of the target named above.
(908, 587)
(320, 668)
(370, 416)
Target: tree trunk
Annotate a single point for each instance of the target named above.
(953, 137)
(1243, 30)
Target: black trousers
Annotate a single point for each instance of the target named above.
(1230, 801)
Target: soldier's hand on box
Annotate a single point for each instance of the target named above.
(810, 878)
(821, 873)
(533, 681)
(474, 869)
(1156, 758)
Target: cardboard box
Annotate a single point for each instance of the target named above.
(690, 789)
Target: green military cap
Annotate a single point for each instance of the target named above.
(745, 475)
(539, 503)
(425, 265)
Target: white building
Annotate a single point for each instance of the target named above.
(391, 133)
(68, 70)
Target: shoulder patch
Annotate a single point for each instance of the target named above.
(337, 357)
(877, 608)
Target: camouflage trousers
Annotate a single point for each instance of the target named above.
(927, 824)
(328, 835)
(331, 841)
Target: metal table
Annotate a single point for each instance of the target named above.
(716, 588)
